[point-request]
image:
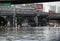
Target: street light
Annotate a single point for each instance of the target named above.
(23, 4)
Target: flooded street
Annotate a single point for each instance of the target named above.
(30, 34)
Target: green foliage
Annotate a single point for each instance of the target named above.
(1, 28)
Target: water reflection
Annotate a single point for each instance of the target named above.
(30, 33)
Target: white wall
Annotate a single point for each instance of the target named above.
(47, 4)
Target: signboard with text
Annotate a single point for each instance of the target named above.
(38, 6)
(5, 4)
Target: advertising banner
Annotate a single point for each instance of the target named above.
(38, 6)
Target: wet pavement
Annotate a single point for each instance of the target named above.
(30, 34)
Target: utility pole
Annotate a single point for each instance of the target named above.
(14, 17)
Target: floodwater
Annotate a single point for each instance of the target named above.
(30, 34)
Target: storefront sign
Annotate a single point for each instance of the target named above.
(38, 6)
(5, 4)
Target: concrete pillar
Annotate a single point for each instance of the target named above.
(36, 20)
